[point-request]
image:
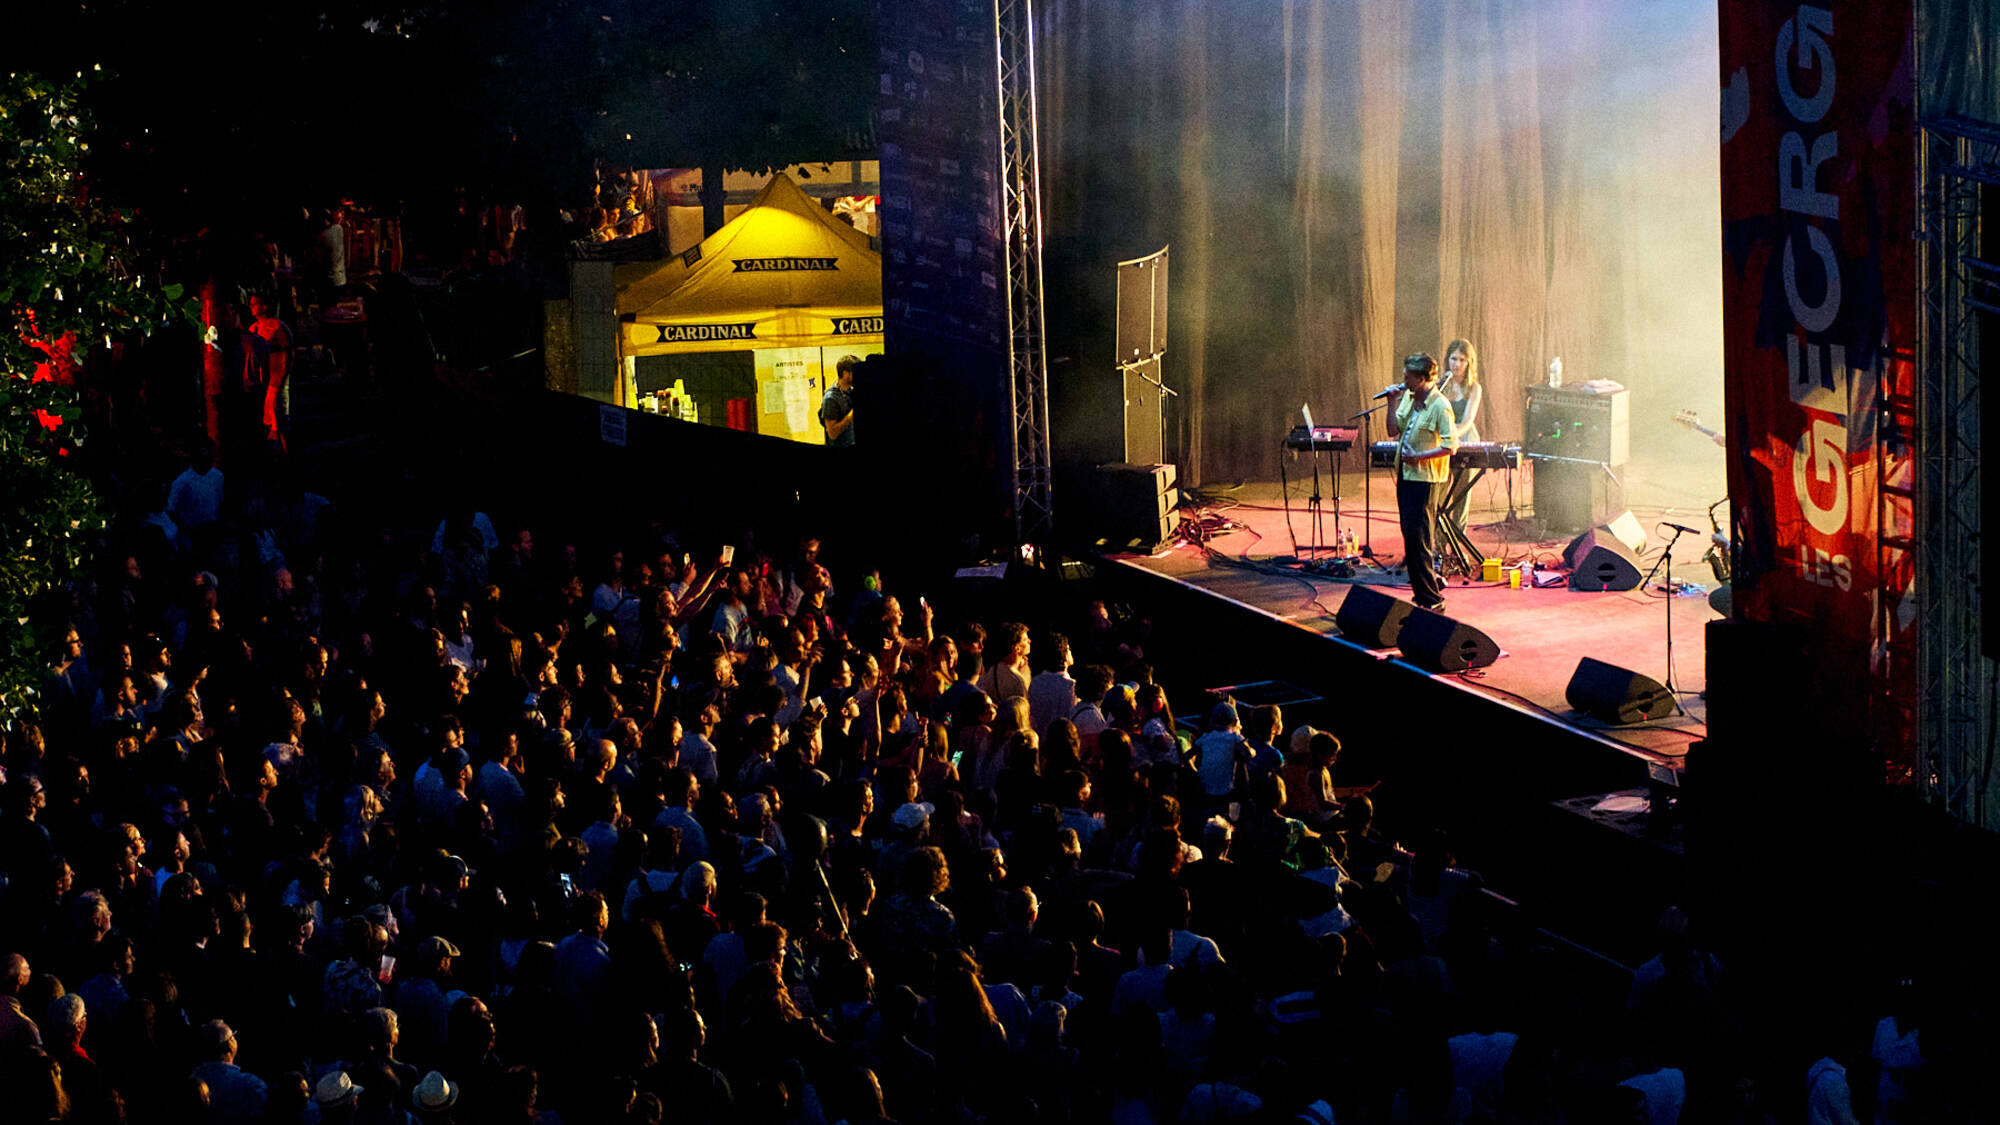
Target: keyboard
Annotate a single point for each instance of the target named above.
(1486, 455)
(1471, 455)
(1337, 438)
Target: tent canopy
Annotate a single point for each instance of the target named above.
(782, 274)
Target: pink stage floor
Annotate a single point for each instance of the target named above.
(1542, 633)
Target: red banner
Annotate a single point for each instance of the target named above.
(1819, 332)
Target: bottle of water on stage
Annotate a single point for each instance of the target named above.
(1556, 372)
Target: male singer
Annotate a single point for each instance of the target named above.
(1428, 434)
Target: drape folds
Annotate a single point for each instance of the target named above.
(1347, 181)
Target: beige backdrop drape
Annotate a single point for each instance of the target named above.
(1347, 181)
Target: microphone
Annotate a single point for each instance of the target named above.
(1387, 391)
(1678, 527)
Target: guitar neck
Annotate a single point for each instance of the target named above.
(1693, 423)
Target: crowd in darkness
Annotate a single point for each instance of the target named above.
(331, 821)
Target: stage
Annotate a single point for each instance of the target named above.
(1247, 555)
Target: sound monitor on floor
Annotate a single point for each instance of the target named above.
(1599, 561)
(1444, 644)
(1371, 618)
(1617, 695)
(1625, 527)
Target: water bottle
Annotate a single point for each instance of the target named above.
(1556, 372)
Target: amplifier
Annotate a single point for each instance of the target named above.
(1578, 424)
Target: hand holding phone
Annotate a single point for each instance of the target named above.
(728, 553)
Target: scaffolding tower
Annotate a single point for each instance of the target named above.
(1958, 162)
(1021, 201)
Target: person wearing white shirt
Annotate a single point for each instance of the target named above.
(1829, 1099)
(695, 751)
(1665, 1092)
(1052, 693)
(1187, 949)
(682, 790)
(1092, 681)
(488, 538)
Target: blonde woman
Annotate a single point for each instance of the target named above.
(1463, 393)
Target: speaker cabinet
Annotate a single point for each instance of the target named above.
(1370, 617)
(1625, 527)
(1127, 505)
(1580, 425)
(1444, 644)
(1598, 561)
(1573, 495)
(1616, 695)
(1145, 413)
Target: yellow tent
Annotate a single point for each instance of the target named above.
(783, 274)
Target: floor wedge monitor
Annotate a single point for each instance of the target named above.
(1598, 561)
(1444, 644)
(1371, 618)
(1617, 695)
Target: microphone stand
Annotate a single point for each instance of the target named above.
(1367, 419)
(1667, 560)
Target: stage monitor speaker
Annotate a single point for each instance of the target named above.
(1598, 561)
(1616, 695)
(1444, 644)
(1371, 618)
(1625, 528)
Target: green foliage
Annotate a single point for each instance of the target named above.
(64, 288)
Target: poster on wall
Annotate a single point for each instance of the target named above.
(1819, 326)
(788, 394)
(791, 383)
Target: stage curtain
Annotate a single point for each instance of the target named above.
(1958, 59)
(1347, 181)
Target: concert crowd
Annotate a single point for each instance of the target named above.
(335, 821)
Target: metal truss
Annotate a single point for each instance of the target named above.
(1021, 199)
(1956, 158)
